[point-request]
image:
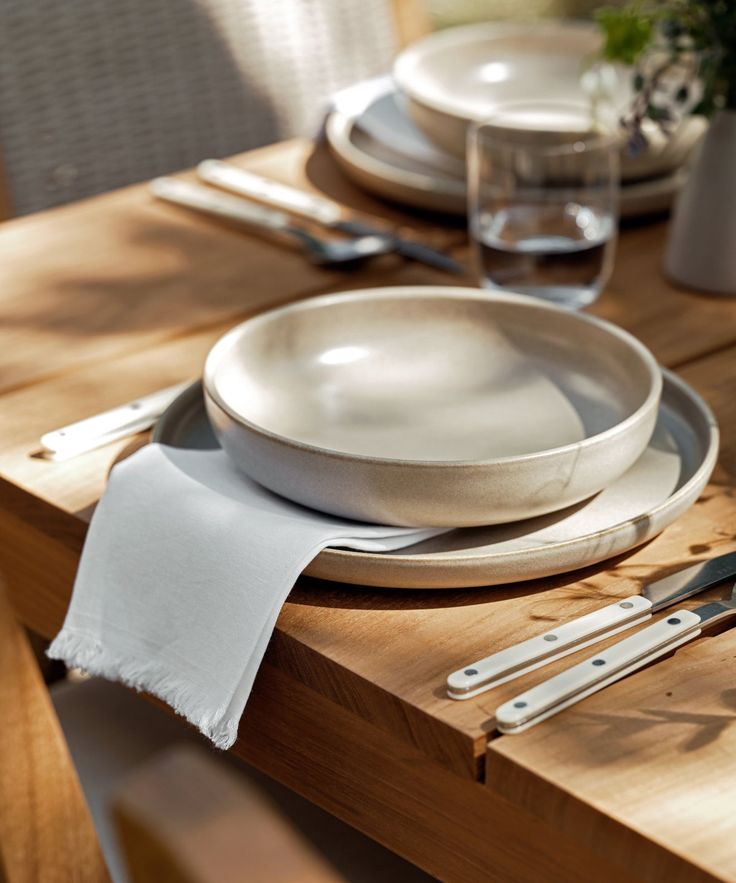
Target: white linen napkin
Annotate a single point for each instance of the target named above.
(184, 571)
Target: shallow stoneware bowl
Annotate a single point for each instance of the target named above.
(431, 406)
(459, 75)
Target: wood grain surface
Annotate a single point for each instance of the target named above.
(46, 832)
(163, 286)
(455, 829)
(656, 752)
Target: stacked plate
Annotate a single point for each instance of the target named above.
(404, 137)
(545, 437)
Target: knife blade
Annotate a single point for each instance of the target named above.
(109, 426)
(526, 656)
(318, 209)
(609, 666)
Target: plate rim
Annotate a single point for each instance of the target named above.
(428, 190)
(327, 564)
(340, 123)
(711, 453)
(696, 482)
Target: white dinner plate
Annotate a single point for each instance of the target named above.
(378, 147)
(662, 484)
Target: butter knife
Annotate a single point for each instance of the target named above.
(610, 665)
(109, 426)
(318, 209)
(526, 656)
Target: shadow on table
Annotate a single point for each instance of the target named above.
(312, 592)
(614, 731)
(322, 593)
(324, 173)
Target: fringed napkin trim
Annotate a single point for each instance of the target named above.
(81, 651)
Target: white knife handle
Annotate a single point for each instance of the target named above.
(222, 174)
(597, 671)
(498, 668)
(216, 203)
(109, 426)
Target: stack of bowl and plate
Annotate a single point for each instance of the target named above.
(542, 439)
(404, 137)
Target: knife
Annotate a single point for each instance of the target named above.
(610, 665)
(317, 208)
(526, 656)
(109, 426)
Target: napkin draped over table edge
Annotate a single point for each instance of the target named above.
(183, 574)
(84, 652)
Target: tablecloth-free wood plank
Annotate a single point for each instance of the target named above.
(455, 829)
(382, 654)
(122, 272)
(376, 659)
(678, 326)
(655, 753)
(46, 832)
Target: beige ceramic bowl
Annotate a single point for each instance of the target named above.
(533, 73)
(431, 406)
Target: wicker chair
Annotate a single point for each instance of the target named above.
(96, 94)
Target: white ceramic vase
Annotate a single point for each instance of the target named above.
(701, 251)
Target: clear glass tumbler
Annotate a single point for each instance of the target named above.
(543, 210)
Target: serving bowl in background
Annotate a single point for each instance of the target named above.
(461, 75)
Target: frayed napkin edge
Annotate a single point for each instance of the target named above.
(81, 651)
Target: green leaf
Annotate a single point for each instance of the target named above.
(627, 32)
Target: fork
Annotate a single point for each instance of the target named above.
(610, 665)
(344, 253)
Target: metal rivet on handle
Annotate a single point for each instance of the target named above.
(599, 662)
(519, 704)
(470, 671)
(626, 604)
(674, 620)
(550, 637)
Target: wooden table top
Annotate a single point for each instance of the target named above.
(114, 297)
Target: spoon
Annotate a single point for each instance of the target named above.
(342, 253)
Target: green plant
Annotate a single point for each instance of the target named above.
(688, 43)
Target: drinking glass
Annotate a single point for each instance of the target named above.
(543, 207)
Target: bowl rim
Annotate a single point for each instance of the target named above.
(647, 408)
(406, 61)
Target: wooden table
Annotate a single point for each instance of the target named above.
(118, 296)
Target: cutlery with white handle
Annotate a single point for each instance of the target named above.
(344, 253)
(514, 661)
(316, 208)
(610, 665)
(109, 426)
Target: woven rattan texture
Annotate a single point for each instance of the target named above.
(96, 94)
